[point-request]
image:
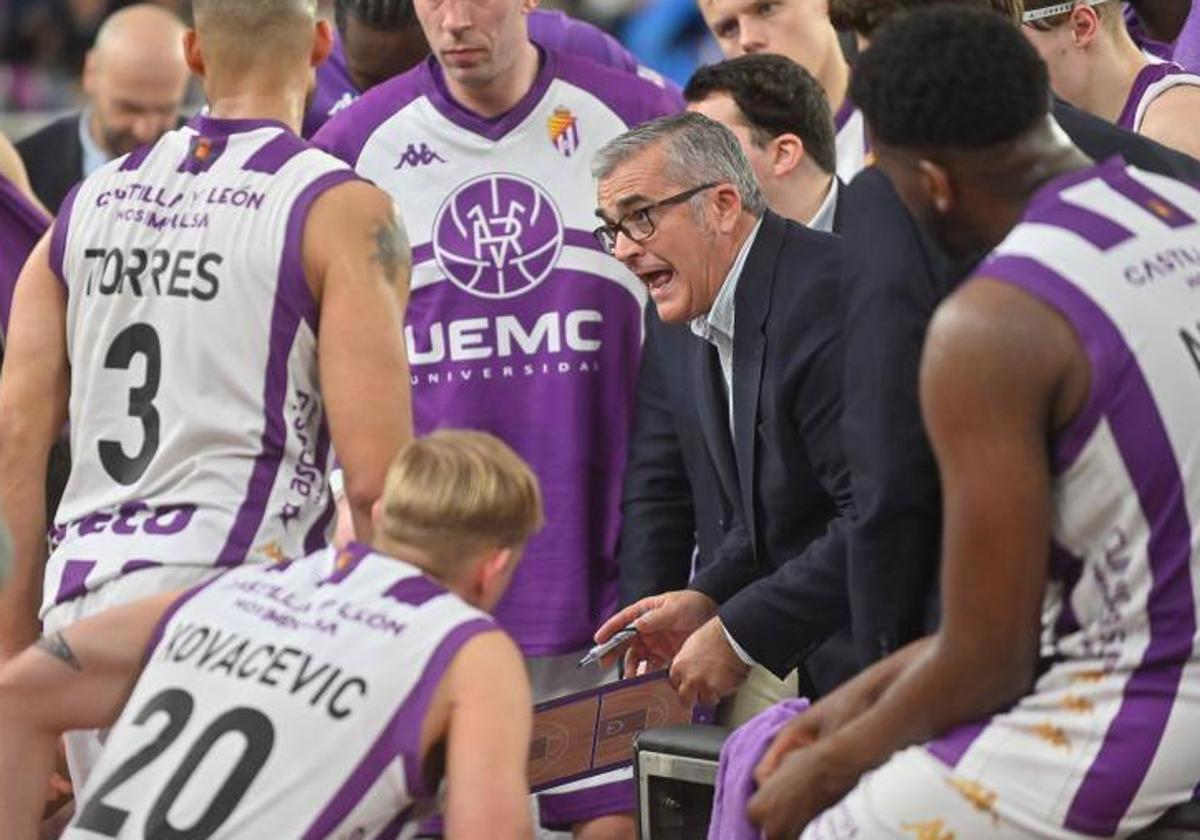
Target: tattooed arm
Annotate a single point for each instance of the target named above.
(78, 678)
(357, 259)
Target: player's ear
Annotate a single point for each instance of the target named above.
(192, 52)
(935, 181)
(322, 42)
(1085, 25)
(787, 150)
(528, 6)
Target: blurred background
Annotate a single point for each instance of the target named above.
(43, 43)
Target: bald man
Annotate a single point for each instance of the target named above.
(135, 78)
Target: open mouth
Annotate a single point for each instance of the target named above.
(656, 281)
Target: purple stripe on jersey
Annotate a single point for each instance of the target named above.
(318, 535)
(415, 590)
(1148, 76)
(293, 302)
(1156, 205)
(21, 226)
(582, 239)
(137, 565)
(275, 153)
(1066, 568)
(632, 98)
(220, 127)
(844, 113)
(1101, 231)
(134, 160)
(1134, 734)
(400, 738)
(422, 253)
(492, 128)
(952, 746)
(392, 830)
(346, 562)
(170, 612)
(560, 811)
(58, 238)
(203, 151)
(73, 582)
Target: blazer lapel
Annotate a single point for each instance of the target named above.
(751, 307)
(714, 415)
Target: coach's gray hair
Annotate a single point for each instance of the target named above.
(697, 150)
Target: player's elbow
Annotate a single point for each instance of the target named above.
(495, 814)
(363, 488)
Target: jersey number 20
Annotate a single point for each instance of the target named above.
(255, 730)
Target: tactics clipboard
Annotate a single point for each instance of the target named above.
(592, 732)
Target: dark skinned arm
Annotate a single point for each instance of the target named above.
(1001, 371)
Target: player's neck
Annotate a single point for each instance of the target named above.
(286, 107)
(834, 77)
(501, 94)
(1111, 79)
(804, 193)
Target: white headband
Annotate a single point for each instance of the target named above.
(1056, 9)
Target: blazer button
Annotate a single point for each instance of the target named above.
(721, 524)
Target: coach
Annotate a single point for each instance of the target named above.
(683, 211)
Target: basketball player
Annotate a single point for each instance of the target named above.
(518, 324)
(385, 655)
(1060, 389)
(1095, 65)
(800, 30)
(376, 41)
(177, 303)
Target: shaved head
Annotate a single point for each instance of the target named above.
(135, 77)
(239, 31)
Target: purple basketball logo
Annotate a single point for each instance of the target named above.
(497, 236)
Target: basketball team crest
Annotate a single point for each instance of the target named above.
(497, 236)
(564, 131)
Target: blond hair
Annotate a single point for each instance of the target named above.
(454, 493)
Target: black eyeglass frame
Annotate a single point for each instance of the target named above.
(606, 234)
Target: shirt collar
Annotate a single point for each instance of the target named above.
(93, 156)
(719, 319)
(823, 220)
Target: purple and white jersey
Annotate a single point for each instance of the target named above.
(1106, 740)
(21, 226)
(1154, 80)
(518, 323)
(553, 29)
(853, 148)
(1157, 50)
(284, 701)
(198, 433)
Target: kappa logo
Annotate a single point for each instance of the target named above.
(419, 156)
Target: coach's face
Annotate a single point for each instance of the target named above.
(797, 29)
(475, 41)
(680, 251)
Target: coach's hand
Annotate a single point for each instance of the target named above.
(664, 623)
(707, 668)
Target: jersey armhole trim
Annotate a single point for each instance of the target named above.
(58, 235)
(169, 615)
(291, 266)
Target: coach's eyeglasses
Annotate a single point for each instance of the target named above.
(638, 224)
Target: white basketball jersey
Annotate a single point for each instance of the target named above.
(283, 701)
(198, 435)
(1107, 739)
(853, 150)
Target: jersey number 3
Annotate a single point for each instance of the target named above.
(135, 340)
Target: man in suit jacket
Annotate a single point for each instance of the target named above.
(135, 79)
(669, 507)
(760, 292)
(894, 278)
(672, 507)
